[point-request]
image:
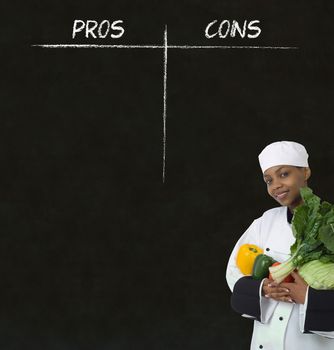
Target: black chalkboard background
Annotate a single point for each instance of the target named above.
(96, 251)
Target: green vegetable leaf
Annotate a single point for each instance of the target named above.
(326, 235)
(299, 221)
(325, 207)
(327, 258)
(313, 228)
(311, 200)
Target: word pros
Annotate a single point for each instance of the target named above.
(94, 29)
(231, 28)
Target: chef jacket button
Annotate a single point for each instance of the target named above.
(261, 346)
(267, 249)
(281, 318)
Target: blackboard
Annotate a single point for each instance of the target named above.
(115, 231)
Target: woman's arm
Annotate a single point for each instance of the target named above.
(319, 315)
(250, 236)
(247, 297)
(316, 307)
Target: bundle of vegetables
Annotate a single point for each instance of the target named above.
(313, 251)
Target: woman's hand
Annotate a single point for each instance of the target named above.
(297, 289)
(276, 291)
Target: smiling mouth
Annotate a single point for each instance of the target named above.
(281, 195)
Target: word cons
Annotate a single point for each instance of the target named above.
(94, 29)
(232, 29)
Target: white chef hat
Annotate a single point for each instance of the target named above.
(283, 153)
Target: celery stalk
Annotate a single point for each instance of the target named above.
(279, 272)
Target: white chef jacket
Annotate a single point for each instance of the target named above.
(282, 324)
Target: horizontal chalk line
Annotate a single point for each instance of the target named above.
(94, 46)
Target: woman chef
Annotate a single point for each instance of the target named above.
(289, 315)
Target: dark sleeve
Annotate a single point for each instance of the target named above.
(245, 297)
(320, 311)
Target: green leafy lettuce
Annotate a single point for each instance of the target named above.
(313, 228)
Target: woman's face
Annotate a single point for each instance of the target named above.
(284, 182)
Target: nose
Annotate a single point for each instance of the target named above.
(276, 184)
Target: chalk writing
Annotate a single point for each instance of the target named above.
(227, 28)
(94, 29)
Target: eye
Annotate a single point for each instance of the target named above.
(268, 181)
(285, 174)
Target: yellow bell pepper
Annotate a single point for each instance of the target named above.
(246, 257)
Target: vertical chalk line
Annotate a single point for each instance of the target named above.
(165, 108)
